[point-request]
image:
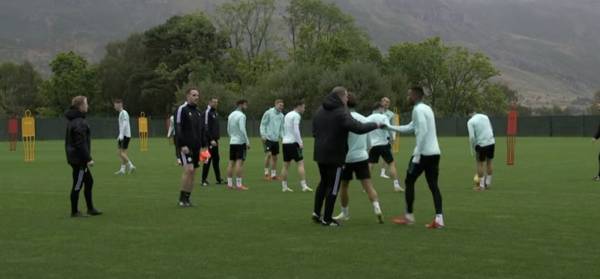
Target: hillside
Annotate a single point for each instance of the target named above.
(545, 48)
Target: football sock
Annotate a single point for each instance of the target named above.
(439, 218)
(303, 183)
(488, 180)
(284, 184)
(396, 183)
(376, 207)
(238, 182)
(273, 173)
(266, 171)
(229, 181)
(346, 211)
(482, 182)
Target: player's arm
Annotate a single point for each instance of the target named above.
(355, 126)
(180, 118)
(471, 130)
(297, 134)
(264, 122)
(122, 124)
(420, 133)
(597, 135)
(243, 129)
(80, 142)
(404, 129)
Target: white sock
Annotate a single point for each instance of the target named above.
(376, 207)
(122, 168)
(382, 171)
(229, 181)
(238, 182)
(266, 171)
(482, 182)
(284, 184)
(488, 180)
(273, 173)
(409, 216)
(345, 211)
(303, 184)
(130, 164)
(439, 218)
(396, 183)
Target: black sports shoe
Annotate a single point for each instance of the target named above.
(77, 214)
(94, 212)
(316, 218)
(332, 223)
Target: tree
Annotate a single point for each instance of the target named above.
(423, 64)
(321, 33)
(71, 76)
(19, 88)
(468, 74)
(184, 46)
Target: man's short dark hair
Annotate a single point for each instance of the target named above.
(377, 106)
(241, 102)
(418, 90)
(213, 98)
(187, 92)
(351, 100)
(298, 103)
(117, 101)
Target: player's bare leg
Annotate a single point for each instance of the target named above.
(230, 167)
(345, 201)
(367, 185)
(394, 175)
(489, 172)
(239, 184)
(284, 177)
(302, 174)
(480, 182)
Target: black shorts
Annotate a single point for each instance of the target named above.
(485, 153)
(124, 143)
(237, 152)
(360, 169)
(271, 147)
(193, 157)
(292, 151)
(383, 151)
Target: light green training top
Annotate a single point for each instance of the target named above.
(236, 128)
(423, 126)
(358, 144)
(380, 136)
(271, 125)
(480, 131)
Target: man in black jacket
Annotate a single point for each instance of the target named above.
(78, 151)
(211, 122)
(190, 132)
(331, 125)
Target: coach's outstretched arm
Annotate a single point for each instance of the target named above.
(354, 126)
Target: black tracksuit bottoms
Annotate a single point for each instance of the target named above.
(82, 178)
(327, 190)
(431, 166)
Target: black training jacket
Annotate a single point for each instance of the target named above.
(331, 125)
(211, 122)
(190, 130)
(78, 144)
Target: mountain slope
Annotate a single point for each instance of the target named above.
(545, 48)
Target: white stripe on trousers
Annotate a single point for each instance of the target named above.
(183, 158)
(79, 180)
(336, 185)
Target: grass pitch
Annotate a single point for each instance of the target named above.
(540, 220)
